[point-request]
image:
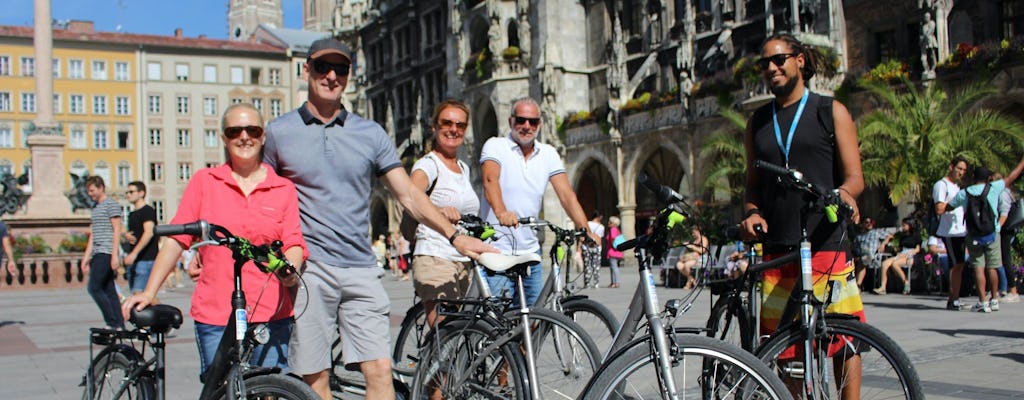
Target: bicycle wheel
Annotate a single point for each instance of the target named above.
(566, 356)
(701, 368)
(111, 368)
(728, 323)
(885, 371)
(275, 386)
(458, 364)
(595, 319)
(409, 340)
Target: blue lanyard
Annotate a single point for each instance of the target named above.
(792, 127)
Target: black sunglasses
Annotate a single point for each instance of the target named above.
(460, 126)
(321, 67)
(233, 132)
(779, 60)
(523, 120)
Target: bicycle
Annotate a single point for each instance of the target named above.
(886, 370)
(121, 369)
(481, 348)
(656, 360)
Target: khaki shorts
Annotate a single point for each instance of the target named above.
(438, 278)
(988, 256)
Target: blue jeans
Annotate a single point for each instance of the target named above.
(532, 285)
(272, 354)
(613, 265)
(139, 275)
(101, 288)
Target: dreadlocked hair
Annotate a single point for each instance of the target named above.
(814, 61)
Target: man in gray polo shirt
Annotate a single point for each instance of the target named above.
(332, 156)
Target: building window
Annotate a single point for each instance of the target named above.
(210, 73)
(181, 72)
(121, 72)
(158, 205)
(99, 139)
(254, 75)
(123, 139)
(156, 172)
(56, 68)
(153, 71)
(99, 105)
(257, 103)
(28, 66)
(184, 171)
(153, 102)
(76, 104)
(210, 138)
(6, 138)
(28, 102)
(211, 165)
(275, 108)
(5, 101)
(99, 70)
(184, 138)
(124, 174)
(275, 76)
(299, 65)
(182, 104)
(155, 137)
(209, 105)
(57, 107)
(77, 138)
(5, 65)
(121, 105)
(236, 75)
(76, 69)
(236, 100)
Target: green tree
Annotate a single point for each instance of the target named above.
(907, 142)
(724, 149)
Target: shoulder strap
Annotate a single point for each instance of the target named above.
(437, 173)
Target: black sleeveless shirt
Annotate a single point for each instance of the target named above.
(814, 154)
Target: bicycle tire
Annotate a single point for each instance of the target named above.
(410, 339)
(274, 386)
(891, 373)
(453, 347)
(112, 366)
(596, 320)
(728, 323)
(566, 356)
(723, 371)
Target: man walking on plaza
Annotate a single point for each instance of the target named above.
(516, 171)
(332, 156)
(140, 236)
(983, 242)
(102, 252)
(951, 226)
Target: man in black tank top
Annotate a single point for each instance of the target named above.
(816, 136)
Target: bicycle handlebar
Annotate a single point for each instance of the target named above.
(561, 234)
(199, 228)
(267, 258)
(476, 227)
(834, 206)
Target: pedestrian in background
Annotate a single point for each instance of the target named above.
(8, 249)
(102, 257)
(614, 256)
(140, 237)
(952, 228)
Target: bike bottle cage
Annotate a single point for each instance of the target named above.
(501, 263)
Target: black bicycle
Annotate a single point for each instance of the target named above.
(837, 355)
(122, 370)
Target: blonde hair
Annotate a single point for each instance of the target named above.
(614, 220)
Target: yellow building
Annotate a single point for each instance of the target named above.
(95, 102)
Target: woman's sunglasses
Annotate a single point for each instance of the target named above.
(233, 132)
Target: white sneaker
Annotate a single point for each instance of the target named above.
(994, 305)
(981, 307)
(1011, 298)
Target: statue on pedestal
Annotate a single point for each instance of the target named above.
(929, 46)
(13, 198)
(79, 195)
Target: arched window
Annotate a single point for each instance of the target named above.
(513, 33)
(102, 170)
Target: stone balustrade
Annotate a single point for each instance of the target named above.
(584, 134)
(56, 270)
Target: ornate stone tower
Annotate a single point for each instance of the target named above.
(245, 15)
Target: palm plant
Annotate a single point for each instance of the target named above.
(724, 148)
(907, 143)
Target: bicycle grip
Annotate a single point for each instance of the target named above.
(191, 228)
(767, 166)
(528, 220)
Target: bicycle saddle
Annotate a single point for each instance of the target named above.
(160, 318)
(500, 262)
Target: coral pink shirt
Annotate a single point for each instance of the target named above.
(270, 212)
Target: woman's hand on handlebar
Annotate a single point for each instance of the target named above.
(452, 214)
(748, 230)
(138, 301)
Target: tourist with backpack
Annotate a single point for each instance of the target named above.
(981, 201)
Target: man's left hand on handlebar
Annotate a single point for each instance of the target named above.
(849, 200)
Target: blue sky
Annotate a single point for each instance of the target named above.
(158, 17)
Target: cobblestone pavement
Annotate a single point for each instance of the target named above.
(959, 355)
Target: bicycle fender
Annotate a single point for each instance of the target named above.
(574, 297)
(841, 316)
(258, 371)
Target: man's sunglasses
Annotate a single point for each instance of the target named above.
(321, 67)
(779, 60)
(523, 120)
(233, 132)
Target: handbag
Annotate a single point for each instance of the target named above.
(1016, 217)
(408, 224)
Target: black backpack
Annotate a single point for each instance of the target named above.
(981, 220)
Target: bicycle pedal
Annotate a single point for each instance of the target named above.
(794, 370)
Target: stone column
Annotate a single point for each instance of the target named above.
(43, 43)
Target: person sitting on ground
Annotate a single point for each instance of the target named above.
(910, 245)
(694, 257)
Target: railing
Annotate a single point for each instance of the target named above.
(48, 270)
